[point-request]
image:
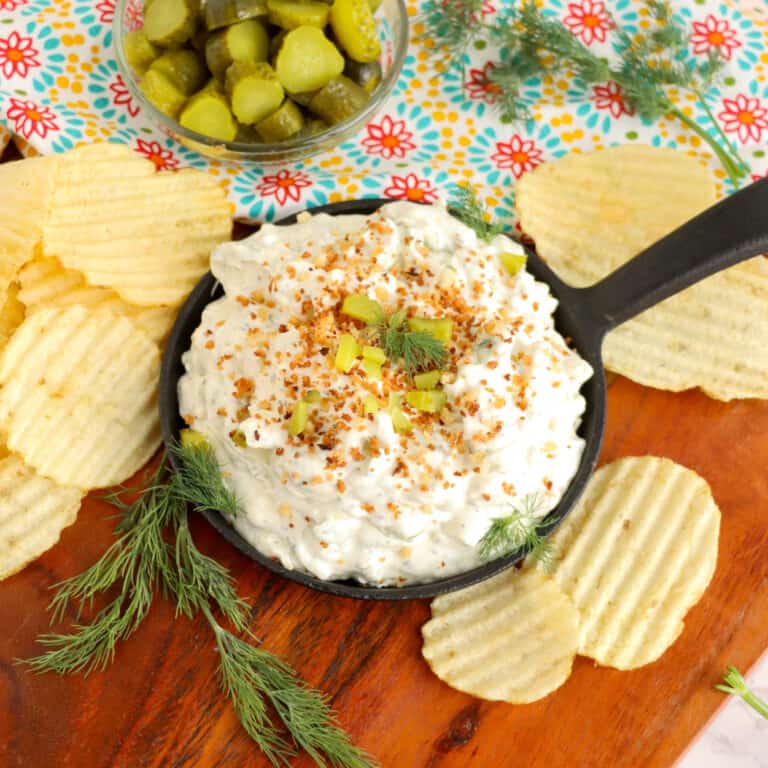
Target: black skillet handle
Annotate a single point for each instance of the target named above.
(733, 230)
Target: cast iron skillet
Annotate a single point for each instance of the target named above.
(733, 230)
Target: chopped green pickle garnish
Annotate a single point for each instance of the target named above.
(370, 405)
(299, 418)
(372, 369)
(191, 438)
(238, 438)
(441, 328)
(428, 380)
(313, 396)
(513, 262)
(374, 354)
(347, 353)
(428, 401)
(400, 421)
(360, 307)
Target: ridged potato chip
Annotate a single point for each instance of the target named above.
(146, 235)
(11, 313)
(78, 396)
(634, 555)
(27, 186)
(45, 283)
(33, 512)
(589, 214)
(511, 638)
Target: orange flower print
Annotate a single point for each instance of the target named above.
(588, 20)
(714, 36)
(746, 117)
(610, 97)
(30, 119)
(17, 55)
(389, 139)
(412, 188)
(517, 155)
(478, 85)
(161, 157)
(284, 185)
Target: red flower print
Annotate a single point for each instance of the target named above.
(714, 35)
(122, 96)
(488, 9)
(388, 139)
(480, 87)
(17, 55)
(518, 155)
(30, 119)
(11, 5)
(744, 116)
(106, 9)
(284, 185)
(412, 188)
(161, 157)
(134, 15)
(610, 97)
(588, 20)
(758, 176)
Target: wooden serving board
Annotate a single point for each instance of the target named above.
(159, 704)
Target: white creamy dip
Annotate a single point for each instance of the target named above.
(350, 497)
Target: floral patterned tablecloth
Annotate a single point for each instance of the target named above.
(59, 87)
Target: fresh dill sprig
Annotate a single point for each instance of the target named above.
(418, 350)
(467, 208)
(453, 25)
(735, 684)
(518, 532)
(650, 64)
(155, 552)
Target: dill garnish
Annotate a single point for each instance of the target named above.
(734, 683)
(418, 350)
(154, 552)
(519, 530)
(465, 206)
(650, 64)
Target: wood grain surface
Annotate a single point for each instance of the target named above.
(159, 704)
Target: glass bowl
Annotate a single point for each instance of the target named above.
(392, 24)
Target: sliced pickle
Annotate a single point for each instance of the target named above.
(347, 353)
(162, 93)
(354, 27)
(441, 328)
(299, 418)
(222, 13)
(367, 76)
(400, 422)
(307, 60)
(370, 405)
(191, 438)
(208, 112)
(427, 401)
(244, 41)
(139, 52)
(338, 100)
(183, 68)
(372, 369)
(512, 262)
(428, 380)
(374, 354)
(170, 22)
(254, 91)
(284, 122)
(361, 307)
(289, 14)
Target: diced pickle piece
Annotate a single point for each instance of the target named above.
(162, 93)
(307, 60)
(299, 418)
(428, 401)
(222, 13)
(360, 307)
(355, 29)
(370, 405)
(191, 438)
(254, 91)
(313, 396)
(238, 438)
(374, 354)
(170, 22)
(367, 76)
(311, 128)
(400, 422)
(247, 134)
(303, 98)
(183, 68)
(245, 41)
(338, 100)
(208, 112)
(347, 353)
(428, 380)
(372, 369)
(374, 5)
(441, 328)
(289, 14)
(513, 262)
(139, 52)
(283, 123)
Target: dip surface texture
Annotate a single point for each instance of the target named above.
(351, 497)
